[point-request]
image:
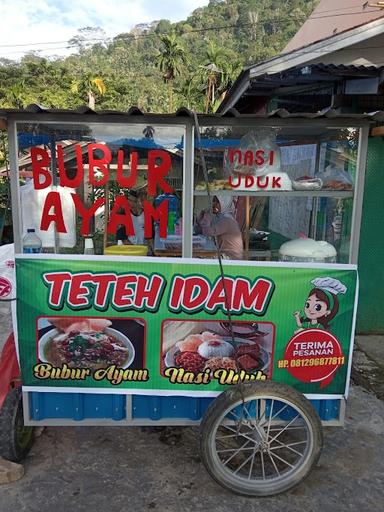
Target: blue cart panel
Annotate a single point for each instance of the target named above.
(42, 408)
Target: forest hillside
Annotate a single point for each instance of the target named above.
(158, 66)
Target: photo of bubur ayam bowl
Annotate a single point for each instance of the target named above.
(85, 343)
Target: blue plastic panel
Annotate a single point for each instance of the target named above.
(88, 406)
(180, 407)
(76, 406)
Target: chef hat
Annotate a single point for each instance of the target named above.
(329, 284)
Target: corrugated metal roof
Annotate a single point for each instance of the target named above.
(304, 54)
(326, 113)
(314, 74)
(184, 112)
(85, 110)
(342, 68)
(244, 82)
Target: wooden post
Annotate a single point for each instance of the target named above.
(106, 214)
(247, 207)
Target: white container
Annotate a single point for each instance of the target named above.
(307, 249)
(310, 184)
(31, 242)
(88, 246)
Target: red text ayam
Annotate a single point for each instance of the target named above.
(159, 165)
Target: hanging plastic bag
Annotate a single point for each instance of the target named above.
(32, 204)
(335, 178)
(7, 272)
(257, 155)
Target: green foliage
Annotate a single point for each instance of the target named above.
(171, 57)
(170, 61)
(161, 67)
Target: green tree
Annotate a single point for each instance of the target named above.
(213, 70)
(163, 27)
(192, 93)
(171, 59)
(91, 86)
(88, 36)
(15, 96)
(198, 65)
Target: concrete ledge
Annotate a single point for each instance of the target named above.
(10, 471)
(373, 346)
(368, 364)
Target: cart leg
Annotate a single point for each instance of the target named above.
(15, 438)
(9, 369)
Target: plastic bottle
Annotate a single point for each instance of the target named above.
(31, 242)
(173, 203)
(171, 223)
(173, 210)
(337, 222)
(179, 227)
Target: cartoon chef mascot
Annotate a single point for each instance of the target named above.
(322, 304)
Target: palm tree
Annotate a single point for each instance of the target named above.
(170, 62)
(92, 86)
(214, 61)
(98, 85)
(192, 92)
(231, 71)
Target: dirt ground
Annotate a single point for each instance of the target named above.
(114, 469)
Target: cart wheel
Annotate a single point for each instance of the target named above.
(264, 445)
(15, 438)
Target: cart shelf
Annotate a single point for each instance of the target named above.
(282, 193)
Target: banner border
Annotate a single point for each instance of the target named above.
(149, 392)
(187, 261)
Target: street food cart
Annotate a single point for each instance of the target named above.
(136, 307)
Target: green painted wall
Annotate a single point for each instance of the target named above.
(370, 318)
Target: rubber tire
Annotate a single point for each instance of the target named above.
(259, 389)
(11, 416)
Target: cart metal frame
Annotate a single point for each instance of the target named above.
(31, 410)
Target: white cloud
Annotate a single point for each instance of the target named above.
(42, 21)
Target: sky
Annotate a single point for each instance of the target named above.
(57, 21)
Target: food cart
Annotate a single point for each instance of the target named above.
(182, 326)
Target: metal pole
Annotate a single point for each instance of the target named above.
(315, 209)
(15, 189)
(188, 183)
(315, 200)
(359, 194)
(247, 208)
(106, 216)
(52, 147)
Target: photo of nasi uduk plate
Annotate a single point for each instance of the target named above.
(86, 349)
(207, 350)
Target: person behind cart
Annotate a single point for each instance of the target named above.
(223, 225)
(135, 200)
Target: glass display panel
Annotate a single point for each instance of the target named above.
(97, 188)
(271, 186)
